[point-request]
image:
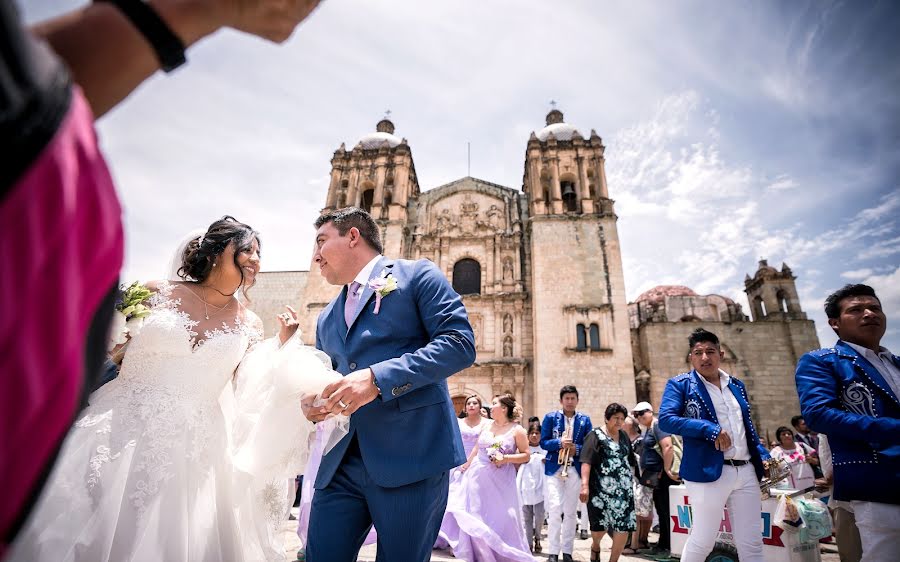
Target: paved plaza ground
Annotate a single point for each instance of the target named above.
(582, 549)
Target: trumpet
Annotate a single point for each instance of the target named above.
(565, 456)
(776, 470)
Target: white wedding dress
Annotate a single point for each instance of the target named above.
(147, 472)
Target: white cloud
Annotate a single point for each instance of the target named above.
(887, 287)
(856, 274)
(782, 182)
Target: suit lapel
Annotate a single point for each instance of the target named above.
(869, 371)
(700, 389)
(382, 268)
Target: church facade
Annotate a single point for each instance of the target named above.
(539, 269)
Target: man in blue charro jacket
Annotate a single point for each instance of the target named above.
(722, 460)
(851, 393)
(562, 491)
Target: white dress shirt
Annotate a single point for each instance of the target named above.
(883, 361)
(364, 274)
(730, 416)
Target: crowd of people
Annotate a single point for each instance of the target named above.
(144, 470)
(620, 471)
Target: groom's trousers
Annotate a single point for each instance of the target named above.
(407, 518)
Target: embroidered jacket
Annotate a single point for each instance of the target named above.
(552, 430)
(845, 397)
(687, 410)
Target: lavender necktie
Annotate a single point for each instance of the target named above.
(351, 303)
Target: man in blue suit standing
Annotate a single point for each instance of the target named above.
(722, 458)
(851, 393)
(563, 433)
(396, 331)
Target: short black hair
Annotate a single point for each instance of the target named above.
(353, 217)
(615, 408)
(833, 301)
(533, 419)
(795, 421)
(568, 389)
(702, 335)
(780, 430)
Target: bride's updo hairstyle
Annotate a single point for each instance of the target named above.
(513, 410)
(201, 253)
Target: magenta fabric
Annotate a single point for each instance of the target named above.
(62, 250)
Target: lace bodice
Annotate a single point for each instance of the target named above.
(169, 353)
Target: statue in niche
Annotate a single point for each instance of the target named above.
(495, 218)
(507, 269)
(507, 324)
(468, 215)
(507, 347)
(475, 321)
(444, 221)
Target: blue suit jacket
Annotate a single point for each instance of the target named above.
(843, 396)
(687, 410)
(552, 429)
(420, 336)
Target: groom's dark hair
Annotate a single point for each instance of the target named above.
(353, 217)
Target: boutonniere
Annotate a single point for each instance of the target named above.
(383, 286)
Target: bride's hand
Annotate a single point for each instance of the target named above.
(289, 322)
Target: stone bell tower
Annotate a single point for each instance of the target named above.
(773, 294)
(580, 317)
(378, 175)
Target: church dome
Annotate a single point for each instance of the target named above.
(383, 136)
(560, 129)
(658, 294)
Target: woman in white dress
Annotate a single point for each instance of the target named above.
(146, 473)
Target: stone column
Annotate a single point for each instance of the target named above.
(353, 190)
(555, 191)
(378, 196)
(601, 177)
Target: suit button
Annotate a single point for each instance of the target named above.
(396, 391)
(353, 366)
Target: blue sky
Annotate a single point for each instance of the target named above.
(733, 131)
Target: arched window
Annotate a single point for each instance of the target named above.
(467, 277)
(782, 301)
(581, 338)
(759, 306)
(386, 206)
(570, 198)
(366, 200)
(595, 337)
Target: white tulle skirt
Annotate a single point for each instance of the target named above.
(153, 473)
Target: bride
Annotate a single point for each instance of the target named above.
(153, 469)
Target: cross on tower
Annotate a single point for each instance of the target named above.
(553, 104)
(387, 114)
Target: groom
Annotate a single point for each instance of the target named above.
(396, 332)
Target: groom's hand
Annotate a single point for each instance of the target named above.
(355, 391)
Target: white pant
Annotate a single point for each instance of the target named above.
(583, 521)
(879, 530)
(739, 490)
(562, 503)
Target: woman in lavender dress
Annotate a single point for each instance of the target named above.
(483, 522)
(471, 425)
